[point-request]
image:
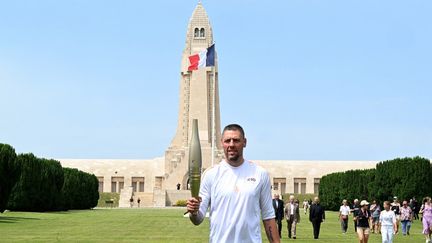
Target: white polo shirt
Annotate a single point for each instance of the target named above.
(239, 198)
(344, 210)
(387, 218)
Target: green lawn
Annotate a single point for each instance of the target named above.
(147, 225)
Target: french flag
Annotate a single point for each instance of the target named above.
(205, 58)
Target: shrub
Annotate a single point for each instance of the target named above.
(108, 196)
(181, 203)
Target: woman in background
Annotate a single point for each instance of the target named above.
(427, 219)
(406, 218)
(375, 211)
(363, 227)
(344, 212)
(395, 207)
(387, 222)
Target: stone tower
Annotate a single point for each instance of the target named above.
(198, 91)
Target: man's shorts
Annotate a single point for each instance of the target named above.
(363, 230)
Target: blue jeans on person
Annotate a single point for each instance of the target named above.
(406, 225)
(344, 225)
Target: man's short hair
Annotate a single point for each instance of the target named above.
(234, 127)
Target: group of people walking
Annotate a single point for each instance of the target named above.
(291, 212)
(385, 221)
(367, 217)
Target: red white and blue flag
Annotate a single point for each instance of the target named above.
(205, 58)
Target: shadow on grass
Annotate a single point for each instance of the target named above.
(59, 212)
(9, 220)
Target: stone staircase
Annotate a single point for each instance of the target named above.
(146, 199)
(125, 195)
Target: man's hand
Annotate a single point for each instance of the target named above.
(193, 205)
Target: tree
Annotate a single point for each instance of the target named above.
(8, 173)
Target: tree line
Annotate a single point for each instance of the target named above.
(401, 177)
(29, 183)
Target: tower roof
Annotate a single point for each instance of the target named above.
(199, 14)
(199, 19)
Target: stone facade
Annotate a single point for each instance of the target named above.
(154, 181)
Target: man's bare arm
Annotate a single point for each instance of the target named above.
(271, 230)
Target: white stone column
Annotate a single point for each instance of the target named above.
(310, 184)
(107, 183)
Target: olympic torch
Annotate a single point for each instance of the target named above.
(195, 162)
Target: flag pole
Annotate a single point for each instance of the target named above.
(213, 116)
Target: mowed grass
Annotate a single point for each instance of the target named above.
(150, 225)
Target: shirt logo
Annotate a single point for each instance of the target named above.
(251, 179)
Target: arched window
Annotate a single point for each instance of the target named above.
(196, 33)
(202, 32)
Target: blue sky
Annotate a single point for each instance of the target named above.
(307, 79)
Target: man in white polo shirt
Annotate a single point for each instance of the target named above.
(238, 193)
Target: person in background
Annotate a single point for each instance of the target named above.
(406, 217)
(305, 206)
(316, 216)
(131, 201)
(363, 227)
(278, 206)
(292, 214)
(375, 211)
(427, 218)
(422, 208)
(395, 207)
(414, 207)
(372, 209)
(387, 223)
(139, 201)
(355, 210)
(344, 212)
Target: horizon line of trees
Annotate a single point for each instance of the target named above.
(29, 183)
(402, 177)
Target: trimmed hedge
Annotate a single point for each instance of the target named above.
(39, 186)
(8, 173)
(80, 189)
(404, 178)
(28, 183)
(408, 177)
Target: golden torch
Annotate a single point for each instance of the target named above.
(195, 162)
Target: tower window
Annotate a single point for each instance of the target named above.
(202, 32)
(196, 32)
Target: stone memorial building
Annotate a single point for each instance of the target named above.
(155, 181)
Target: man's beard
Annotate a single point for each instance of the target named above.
(234, 158)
